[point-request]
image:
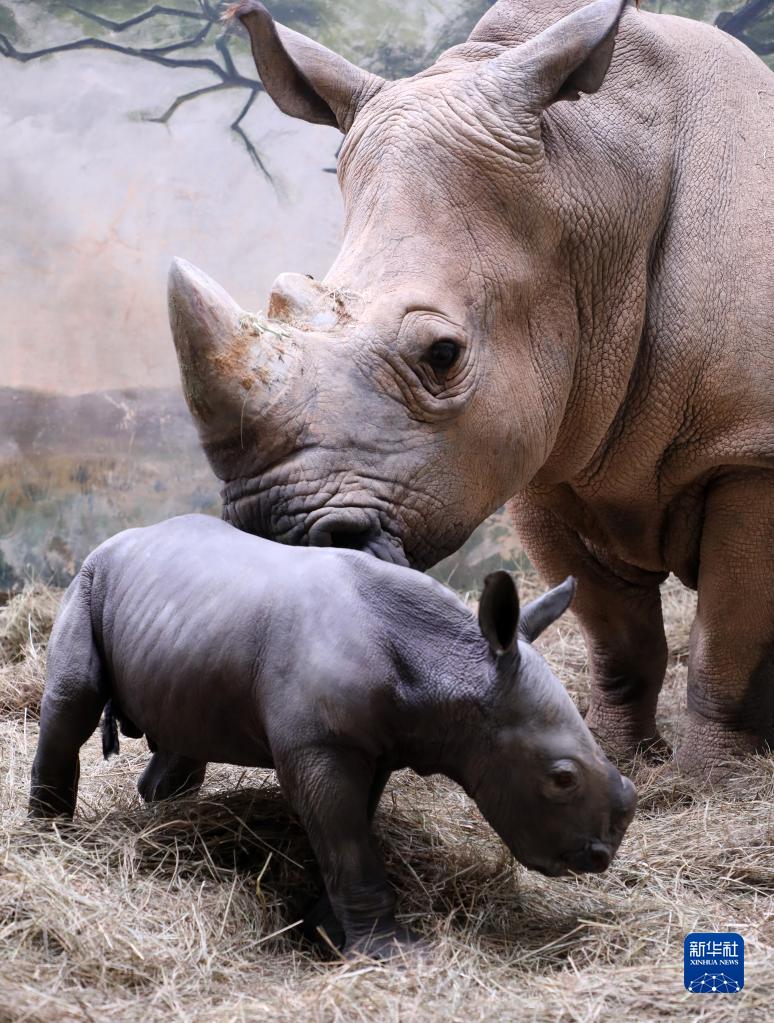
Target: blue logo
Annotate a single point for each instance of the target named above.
(713, 964)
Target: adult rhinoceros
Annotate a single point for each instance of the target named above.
(569, 302)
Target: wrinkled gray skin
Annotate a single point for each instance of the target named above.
(336, 669)
(600, 271)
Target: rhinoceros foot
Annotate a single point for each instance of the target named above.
(655, 750)
(400, 943)
(710, 749)
(322, 927)
(623, 736)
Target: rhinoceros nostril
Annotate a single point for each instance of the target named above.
(356, 539)
(352, 529)
(597, 858)
(593, 858)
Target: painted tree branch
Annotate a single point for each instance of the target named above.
(738, 23)
(225, 69)
(236, 126)
(152, 12)
(185, 98)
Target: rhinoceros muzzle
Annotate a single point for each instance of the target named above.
(357, 529)
(593, 855)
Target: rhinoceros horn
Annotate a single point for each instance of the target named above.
(234, 365)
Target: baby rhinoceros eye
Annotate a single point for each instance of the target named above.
(564, 776)
(443, 354)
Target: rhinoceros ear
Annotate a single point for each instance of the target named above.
(498, 612)
(540, 613)
(303, 78)
(567, 59)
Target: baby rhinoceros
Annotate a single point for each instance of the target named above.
(335, 669)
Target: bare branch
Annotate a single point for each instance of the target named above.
(221, 45)
(737, 22)
(152, 12)
(184, 44)
(156, 55)
(165, 117)
(229, 76)
(236, 126)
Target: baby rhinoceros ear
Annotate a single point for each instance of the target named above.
(498, 612)
(540, 613)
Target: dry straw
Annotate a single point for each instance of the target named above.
(189, 910)
(25, 624)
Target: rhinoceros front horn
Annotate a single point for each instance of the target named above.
(238, 369)
(205, 324)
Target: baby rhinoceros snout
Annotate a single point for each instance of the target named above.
(597, 855)
(593, 859)
(627, 802)
(624, 803)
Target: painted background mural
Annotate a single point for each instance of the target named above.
(129, 137)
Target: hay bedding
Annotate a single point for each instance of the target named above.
(186, 911)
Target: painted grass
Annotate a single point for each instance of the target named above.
(186, 911)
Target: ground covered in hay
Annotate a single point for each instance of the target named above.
(189, 911)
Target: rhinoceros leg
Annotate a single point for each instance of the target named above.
(168, 775)
(623, 627)
(72, 705)
(329, 788)
(319, 916)
(731, 661)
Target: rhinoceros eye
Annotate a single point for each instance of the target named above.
(563, 779)
(443, 354)
(564, 776)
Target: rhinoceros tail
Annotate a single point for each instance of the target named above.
(110, 743)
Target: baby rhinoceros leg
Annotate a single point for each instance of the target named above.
(72, 704)
(329, 788)
(320, 922)
(168, 775)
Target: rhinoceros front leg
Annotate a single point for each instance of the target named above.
(622, 625)
(330, 790)
(731, 661)
(319, 918)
